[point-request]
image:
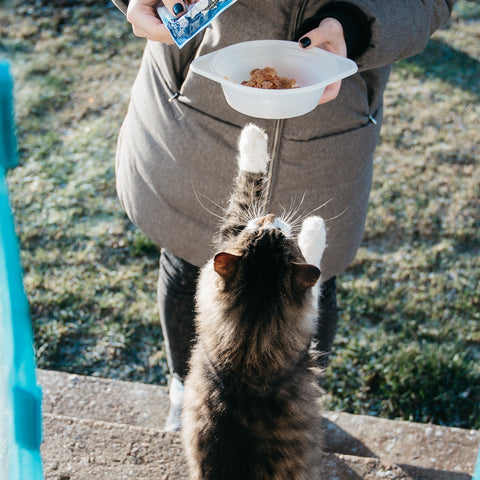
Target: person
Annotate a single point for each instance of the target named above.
(176, 157)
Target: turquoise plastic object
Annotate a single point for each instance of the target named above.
(20, 397)
(476, 474)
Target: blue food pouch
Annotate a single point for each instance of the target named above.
(199, 15)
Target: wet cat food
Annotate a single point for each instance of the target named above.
(268, 78)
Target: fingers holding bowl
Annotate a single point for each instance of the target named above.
(328, 36)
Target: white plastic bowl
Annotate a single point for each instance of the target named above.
(312, 70)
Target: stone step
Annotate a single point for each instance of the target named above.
(79, 449)
(79, 407)
(84, 449)
(95, 398)
(424, 451)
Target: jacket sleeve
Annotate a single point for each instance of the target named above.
(400, 29)
(379, 33)
(356, 26)
(122, 5)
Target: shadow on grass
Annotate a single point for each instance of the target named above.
(442, 61)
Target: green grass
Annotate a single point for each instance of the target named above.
(409, 340)
(408, 344)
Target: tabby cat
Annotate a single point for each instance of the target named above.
(251, 407)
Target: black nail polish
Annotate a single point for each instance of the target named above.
(177, 8)
(305, 42)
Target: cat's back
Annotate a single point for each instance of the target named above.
(236, 429)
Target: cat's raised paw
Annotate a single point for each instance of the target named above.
(312, 239)
(253, 146)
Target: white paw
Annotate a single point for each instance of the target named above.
(312, 239)
(253, 149)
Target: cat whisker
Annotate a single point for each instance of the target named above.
(302, 200)
(254, 211)
(223, 209)
(288, 215)
(249, 213)
(296, 223)
(210, 200)
(284, 214)
(294, 211)
(336, 216)
(315, 210)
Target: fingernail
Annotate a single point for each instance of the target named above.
(305, 42)
(177, 8)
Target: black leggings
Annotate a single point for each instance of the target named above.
(176, 302)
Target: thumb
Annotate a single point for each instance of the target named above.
(175, 7)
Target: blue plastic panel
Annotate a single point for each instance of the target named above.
(8, 142)
(20, 397)
(476, 474)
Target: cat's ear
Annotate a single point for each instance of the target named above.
(225, 264)
(305, 274)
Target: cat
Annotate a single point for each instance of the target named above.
(251, 406)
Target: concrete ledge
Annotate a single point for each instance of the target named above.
(103, 399)
(108, 429)
(77, 449)
(423, 451)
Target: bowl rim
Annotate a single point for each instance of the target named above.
(203, 66)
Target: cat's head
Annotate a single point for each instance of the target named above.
(264, 262)
(256, 308)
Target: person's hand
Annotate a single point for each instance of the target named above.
(329, 36)
(142, 14)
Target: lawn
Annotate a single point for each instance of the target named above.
(408, 345)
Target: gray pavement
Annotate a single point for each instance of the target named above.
(105, 429)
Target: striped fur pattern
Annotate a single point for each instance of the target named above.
(251, 407)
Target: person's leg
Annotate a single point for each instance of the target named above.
(176, 302)
(327, 321)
